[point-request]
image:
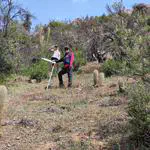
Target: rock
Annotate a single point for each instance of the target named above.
(57, 129)
(33, 81)
(47, 146)
(18, 138)
(53, 109)
(113, 85)
(131, 80)
(8, 145)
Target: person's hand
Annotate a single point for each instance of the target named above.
(53, 62)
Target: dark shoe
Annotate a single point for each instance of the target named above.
(61, 86)
(47, 87)
(69, 85)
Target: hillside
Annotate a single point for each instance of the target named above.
(82, 117)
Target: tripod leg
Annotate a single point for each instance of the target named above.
(49, 81)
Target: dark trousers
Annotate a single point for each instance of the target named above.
(54, 59)
(64, 71)
(56, 65)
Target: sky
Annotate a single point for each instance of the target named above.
(46, 10)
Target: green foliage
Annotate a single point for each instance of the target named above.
(112, 67)
(116, 67)
(5, 66)
(2, 78)
(79, 58)
(56, 24)
(37, 71)
(148, 21)
(139, 112)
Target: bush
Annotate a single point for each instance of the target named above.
(5, 66)
(5, 69)
(3, 78)
(37, 71)
(139, 112)
(79, 59)
(112, 67)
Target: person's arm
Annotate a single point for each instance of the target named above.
(60, 60)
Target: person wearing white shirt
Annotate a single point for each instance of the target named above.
(56, 54)
(55, 57)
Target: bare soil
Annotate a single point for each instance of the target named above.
(78, 118)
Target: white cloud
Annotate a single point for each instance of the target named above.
(78, 1)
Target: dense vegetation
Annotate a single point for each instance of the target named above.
(120, 34)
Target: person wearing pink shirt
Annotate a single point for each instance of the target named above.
(68, 60)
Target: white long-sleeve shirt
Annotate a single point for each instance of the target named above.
(56, 54)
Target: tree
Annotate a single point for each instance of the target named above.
(14, 40)
(27, 17)
(9, 11)
(140, 9)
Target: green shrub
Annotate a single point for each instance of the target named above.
(37, 71)
(5, 66)
(79, 59)
(2, 78)
(139, 113)
(137, 68)
(5, 70)
(112, 67)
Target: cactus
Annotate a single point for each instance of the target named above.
(3, 104)
(48, 34)
(96, 78)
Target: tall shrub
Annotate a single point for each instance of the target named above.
(139, 113)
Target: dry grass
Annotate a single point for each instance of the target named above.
(90, 67)
(82, 117)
